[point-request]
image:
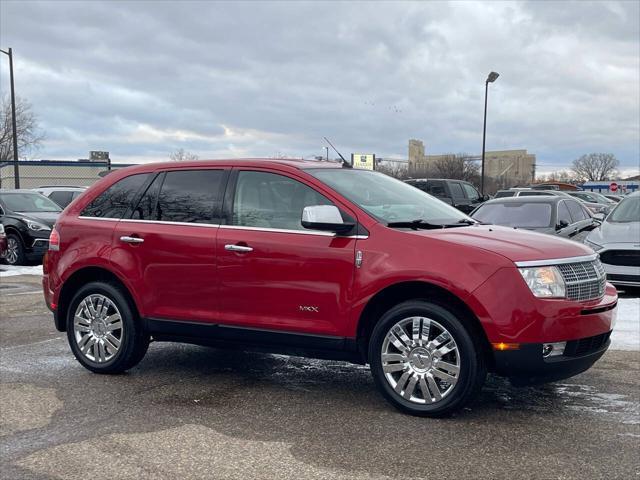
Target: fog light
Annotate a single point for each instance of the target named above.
(553, 349)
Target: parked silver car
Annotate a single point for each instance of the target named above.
(618, 242)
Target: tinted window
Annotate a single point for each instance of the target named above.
(61, 198)
(576, 210)
(189, 196)
(117, 199)
(563, 213)
(436, 189)
(272, 201)
(456, 190)
(526, 215)
(533, 194)
(147, 206)
(505, 193)
(472, 193)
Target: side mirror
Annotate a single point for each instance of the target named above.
(326, 218)
(599, 216)
(562, 224)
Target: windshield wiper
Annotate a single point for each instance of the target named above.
(422, 224)
(467, 221)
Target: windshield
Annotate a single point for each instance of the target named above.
(628, 210)
(525, 215)
(387, 199)
(28, 202)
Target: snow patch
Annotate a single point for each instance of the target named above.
(626, 333)
(10, 270)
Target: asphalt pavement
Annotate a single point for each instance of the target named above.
(193, 412)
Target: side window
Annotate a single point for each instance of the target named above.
(147, 206)
(563, 213)
(576, 210)
(114, 201)
(436, 189)
(472, 193)
(61, 198)
(456, 190)
(272, 201)
(189, 196)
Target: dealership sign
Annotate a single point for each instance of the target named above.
(364, 161)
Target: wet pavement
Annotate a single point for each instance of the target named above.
(194, 412)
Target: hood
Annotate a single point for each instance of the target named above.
(616, 232)
(515, 244)
(48, 218)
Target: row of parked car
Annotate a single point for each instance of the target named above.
(27, 216)
(26, 219)
(609, 224)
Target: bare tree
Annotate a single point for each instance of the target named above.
(595, 166)
(393, 169)
(182, 155)
(28, 132)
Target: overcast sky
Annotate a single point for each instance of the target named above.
(141, 79)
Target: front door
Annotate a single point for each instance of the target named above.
(166, 246)
(273, 273)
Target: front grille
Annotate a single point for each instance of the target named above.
(585, 346)
(584, 280)
(627, 258)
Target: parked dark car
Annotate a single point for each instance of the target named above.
(62, 195)
(27, 218)
(458, 193)
(309, 258)
(545, 214)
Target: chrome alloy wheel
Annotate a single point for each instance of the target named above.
(97, 328)
(420, 352)
(11, 256)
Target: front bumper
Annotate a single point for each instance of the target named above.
(527, 366)
(38, 247)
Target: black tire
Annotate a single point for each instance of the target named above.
(134, 340)
(472, 370)
(20, 258)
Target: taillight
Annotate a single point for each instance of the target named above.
(54, 240)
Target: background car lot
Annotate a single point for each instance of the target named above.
(247, 415)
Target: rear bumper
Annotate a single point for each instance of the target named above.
(527, 366)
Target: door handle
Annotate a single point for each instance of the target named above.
(238, 248)
(127, 239)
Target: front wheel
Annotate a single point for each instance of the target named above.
(424, 360)
(103, 330)
(15, 250)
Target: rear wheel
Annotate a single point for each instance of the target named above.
(103, 331)
(424, 360)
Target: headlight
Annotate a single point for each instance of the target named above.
(546, 282)
(593, 245)
(37, 226)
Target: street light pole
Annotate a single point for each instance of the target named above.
(16, 173)
(490, 79)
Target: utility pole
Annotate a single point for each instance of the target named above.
(16, 172)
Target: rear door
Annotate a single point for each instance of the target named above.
(166, 245)
(274, 274)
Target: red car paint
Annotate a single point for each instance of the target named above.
(184, 273)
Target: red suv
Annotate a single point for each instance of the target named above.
(311, 258)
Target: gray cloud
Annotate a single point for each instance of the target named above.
(256, 79)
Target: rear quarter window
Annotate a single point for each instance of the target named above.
(117, 199)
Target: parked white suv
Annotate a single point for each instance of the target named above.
(62, 195)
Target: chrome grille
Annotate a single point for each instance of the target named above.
(584, 280)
